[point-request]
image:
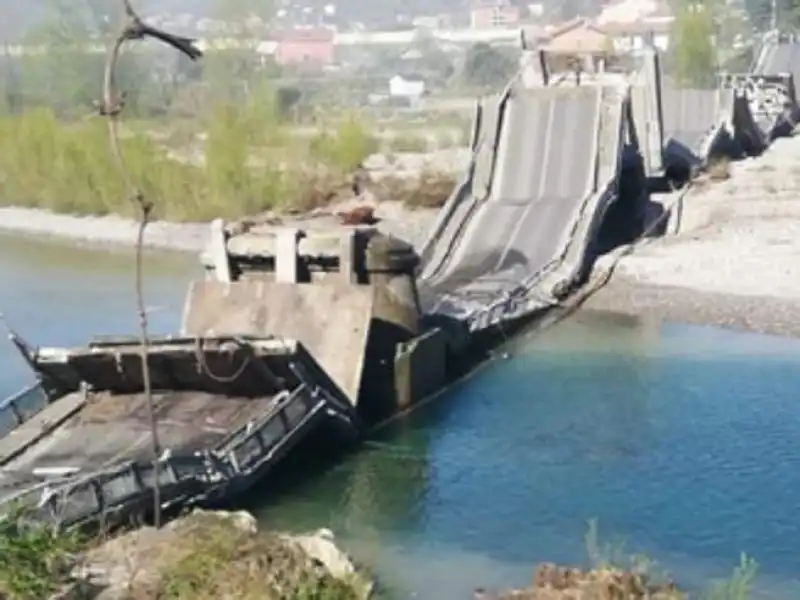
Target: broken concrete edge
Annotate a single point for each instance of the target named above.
(117, 566)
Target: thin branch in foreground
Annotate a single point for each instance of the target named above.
(112, 105)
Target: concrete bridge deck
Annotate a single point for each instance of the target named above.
(519, 230)
(515, 225)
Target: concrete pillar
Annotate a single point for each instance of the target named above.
(655, 120)
(286, 258)
(218, 251)
(347, 257)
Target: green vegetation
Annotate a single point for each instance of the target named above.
(346, 147)
(213, 560)
(251, 164)
(34, 561)
(224, 137)
(693, 54)
(488, 67)
(613, 556)
(203, 556)
(206, 556)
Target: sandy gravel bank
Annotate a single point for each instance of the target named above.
(411, 225)
(762, 314)
(107, 230)
(735, 261)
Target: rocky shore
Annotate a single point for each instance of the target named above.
(552, 582)
(214, 555)
(110, 230)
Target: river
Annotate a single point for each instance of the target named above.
(684, 442)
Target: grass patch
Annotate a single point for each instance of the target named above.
(34, 560)
(613, 557)
(214, 560)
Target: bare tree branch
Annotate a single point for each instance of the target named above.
(112, 105)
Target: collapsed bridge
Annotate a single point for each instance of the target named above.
(551, 163)
(317, 327)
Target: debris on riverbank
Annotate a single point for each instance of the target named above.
(552, 582)
(202, 556)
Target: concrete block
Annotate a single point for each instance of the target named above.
(286, 259)
(347, 257)
(218, 252)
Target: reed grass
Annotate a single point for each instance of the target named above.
(243, 163)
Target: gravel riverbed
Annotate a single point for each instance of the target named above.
(735, 261)
(111, 230)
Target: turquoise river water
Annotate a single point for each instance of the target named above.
(684, 442)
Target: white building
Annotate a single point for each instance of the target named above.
(406, 87)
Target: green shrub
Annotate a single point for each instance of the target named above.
(34, 560)
(68, 168)
(346, 147)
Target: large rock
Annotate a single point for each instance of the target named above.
(223, 550)
(321, 547)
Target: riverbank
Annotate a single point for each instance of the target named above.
(205, 555)
(108, 230)
(553, 582)
(395, 218)
(231, 166)
(735, 261)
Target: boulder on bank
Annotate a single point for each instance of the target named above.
(552, 582)
(216, 555)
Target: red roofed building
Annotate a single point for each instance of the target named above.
(305, 47)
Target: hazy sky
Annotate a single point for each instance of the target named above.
(16, 16)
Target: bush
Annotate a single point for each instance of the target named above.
(346, 148)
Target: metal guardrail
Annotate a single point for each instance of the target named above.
(22, 406)
(233, 463)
